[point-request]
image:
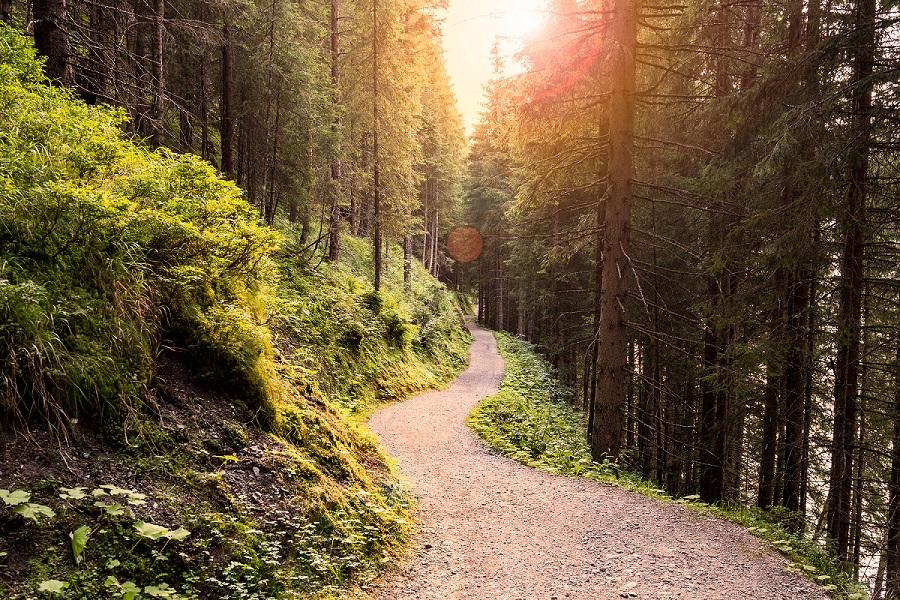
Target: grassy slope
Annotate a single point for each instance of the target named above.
(533, 421)
(198, 379)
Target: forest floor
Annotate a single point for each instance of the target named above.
(491, 528)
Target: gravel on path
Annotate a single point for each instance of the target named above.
(491, 528)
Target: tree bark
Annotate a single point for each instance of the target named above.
(226, 130)
(606, 437)
(52, 39)
(892, 549)
(376, 237)
(766, 488)
(407, 263)
(159, 73)
(334, 227)
(846, 389)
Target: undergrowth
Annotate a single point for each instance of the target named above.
(107, 246)
(533, 420)
(189, 389)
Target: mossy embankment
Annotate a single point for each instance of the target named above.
(533, 419)
(179, 382)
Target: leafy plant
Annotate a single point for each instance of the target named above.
(79, 539)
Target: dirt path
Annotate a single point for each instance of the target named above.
(494, 529)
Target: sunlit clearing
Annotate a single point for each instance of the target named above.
(522, 20)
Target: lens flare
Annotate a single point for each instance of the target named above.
(465, 244)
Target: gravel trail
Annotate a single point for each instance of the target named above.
(494, 529)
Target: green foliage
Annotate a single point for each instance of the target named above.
(112, 254)
(104, 243)
(79, 539)
(532, 420)
(339, 339)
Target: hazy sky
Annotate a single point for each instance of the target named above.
(470, 30)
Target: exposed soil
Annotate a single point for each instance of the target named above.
(494, 529)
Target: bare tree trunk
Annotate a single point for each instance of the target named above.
(376, 242)
(272, 204)
(892, 545)
(716, 393)
(226, 115)
(520, 321)
(769, 435)
(425, 199)
(334, 228)
(159, 96)
(52, 39)
(6, 11)
(851, 281)
(606, 437)
(595, 350)
(407, 263)
(435, 267)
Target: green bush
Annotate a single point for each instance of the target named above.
(104, 244)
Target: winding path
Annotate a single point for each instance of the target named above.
(494, 529)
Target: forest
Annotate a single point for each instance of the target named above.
(693, 212)
(240, 239)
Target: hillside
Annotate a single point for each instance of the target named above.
(180, 381)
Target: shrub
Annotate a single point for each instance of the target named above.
(104, 243)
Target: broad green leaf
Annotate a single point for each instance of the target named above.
(150, 531)
(130, 590)
(136, 498)
(76, 493)
(179, 534)
(113, 510)
(15, 497)
(116, 491)
(160, 591)
(34, 511)
(52, 586)
(79, 539)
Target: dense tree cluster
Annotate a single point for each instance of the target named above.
(694, 210)
(336, 117)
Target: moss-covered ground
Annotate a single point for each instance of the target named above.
(180, 383)
(533, 420)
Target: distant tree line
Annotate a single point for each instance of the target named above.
(334, 117)
(694, 211)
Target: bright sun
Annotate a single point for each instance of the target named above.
(522, 19)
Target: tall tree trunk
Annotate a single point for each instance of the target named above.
(226, 116)
(6, 11)
(272, 202)
(407, 263)
(846, 389)
(92, 80)
(376, 241)
(892, 545)
(51, 39)
(606, 437)
(716, 395)
(334, 227)
(794, 390)
(595, 350)
(858, 488)
(159, 72)
(766, 488)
